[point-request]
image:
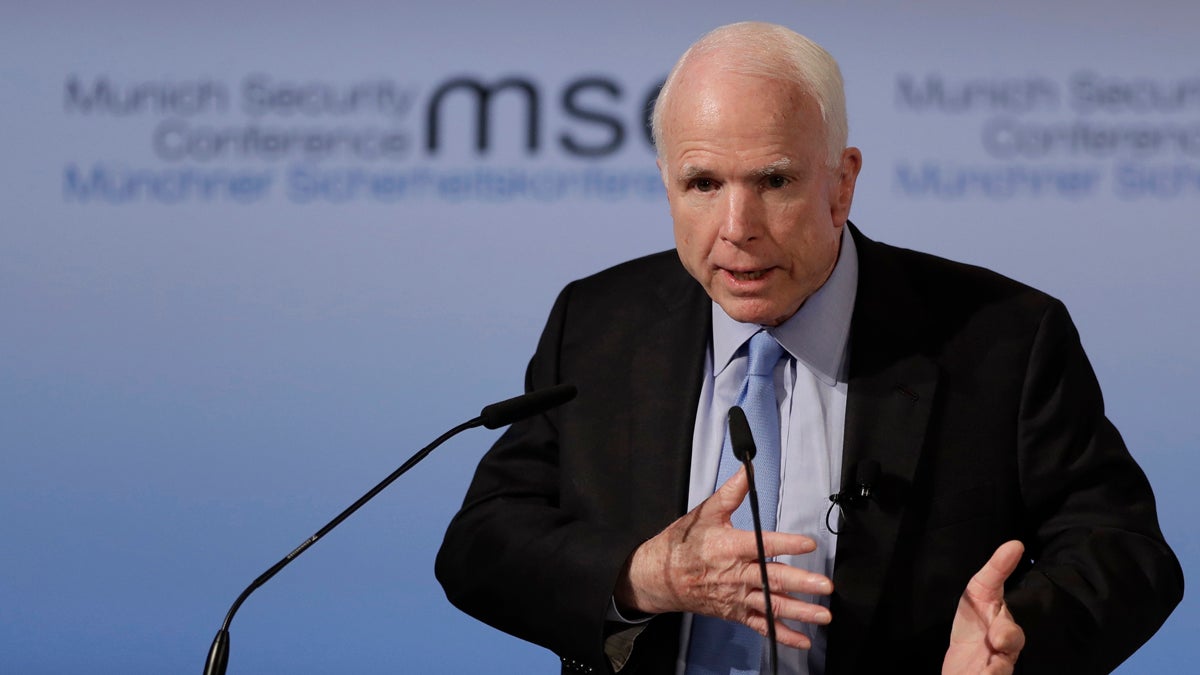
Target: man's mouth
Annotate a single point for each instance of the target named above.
(748, 276)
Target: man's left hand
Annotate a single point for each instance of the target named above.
(985, 638)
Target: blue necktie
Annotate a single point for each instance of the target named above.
(719, 647)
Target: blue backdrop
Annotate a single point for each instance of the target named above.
(255, 254)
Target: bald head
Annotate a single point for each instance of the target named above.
(760, 50)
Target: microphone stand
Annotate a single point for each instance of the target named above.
(493, 416)
(762, 567)
(744, 449)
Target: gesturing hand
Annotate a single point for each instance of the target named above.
(984, 637)
(702, 564)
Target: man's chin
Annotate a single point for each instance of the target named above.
(753, 310)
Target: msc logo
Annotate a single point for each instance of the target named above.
(589, 116)
(577, 103)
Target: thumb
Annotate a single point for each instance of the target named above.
(988, 583)
(729, 496)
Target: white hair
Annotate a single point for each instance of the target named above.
(773, 51)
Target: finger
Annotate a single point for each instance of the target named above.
(784, 634)
(787, 607)
(744, 545)
(988, 583)
(999, 665)
(1004, 635)
(776, 544)
(786, 579)
(997, 668)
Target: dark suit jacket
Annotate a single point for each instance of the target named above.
(970, 390)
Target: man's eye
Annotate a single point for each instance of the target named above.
(704, 184)
(776, 182)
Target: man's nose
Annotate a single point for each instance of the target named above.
(743, 216)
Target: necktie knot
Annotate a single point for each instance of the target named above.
(765, 352)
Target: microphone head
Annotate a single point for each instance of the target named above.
(739, 435)
(518, 408)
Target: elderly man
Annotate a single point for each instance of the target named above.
(1007, 520)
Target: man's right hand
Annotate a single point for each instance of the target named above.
(702, 564)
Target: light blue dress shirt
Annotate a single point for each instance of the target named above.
(811, 389)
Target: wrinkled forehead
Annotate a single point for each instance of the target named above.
(712, 103)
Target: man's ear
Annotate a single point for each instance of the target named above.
(843, 188)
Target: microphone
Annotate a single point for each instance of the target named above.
(741, 439)
(866, 475)
(744, 449)
(492, 416)
(518, 408)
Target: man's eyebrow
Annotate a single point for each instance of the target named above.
(778, 166)
(689, 171)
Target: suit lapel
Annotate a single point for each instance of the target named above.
(891, 390)
(667, 368)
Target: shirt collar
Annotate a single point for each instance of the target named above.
(816, 335)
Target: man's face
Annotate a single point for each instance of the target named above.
(758, 212)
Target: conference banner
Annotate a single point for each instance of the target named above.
(254, 255)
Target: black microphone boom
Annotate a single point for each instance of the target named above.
(493, 416)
